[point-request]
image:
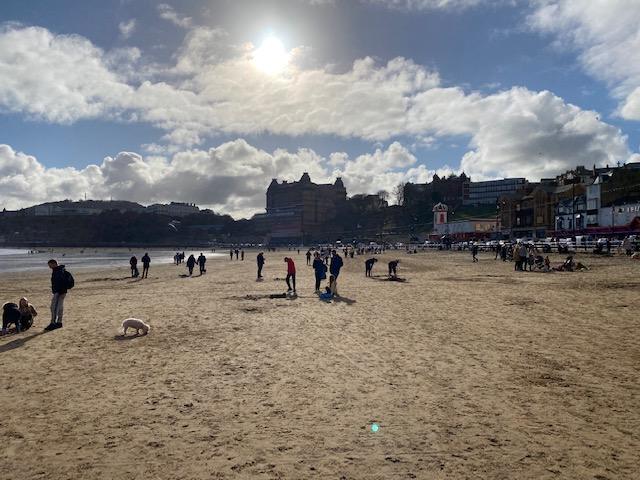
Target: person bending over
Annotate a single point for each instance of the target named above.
(393, 268)
(368, 266)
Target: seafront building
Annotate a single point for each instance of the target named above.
(298, 211)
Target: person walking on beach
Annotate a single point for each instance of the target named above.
(242, 254)
(474, 252)
(134, 267)
(61, 282)
(231, 254)
(202, 260)
(260, 262)
(368, 266)
(308, 257)
(319, 270)
(393, 268)
(191, 262)
(291, 274)
(146, 261)
(237, 252)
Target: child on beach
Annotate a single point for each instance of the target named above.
(27, 314)
(330, 291)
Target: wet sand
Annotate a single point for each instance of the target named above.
(470, 370)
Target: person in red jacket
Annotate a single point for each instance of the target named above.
(291, 274)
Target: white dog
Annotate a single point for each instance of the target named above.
(135, 324)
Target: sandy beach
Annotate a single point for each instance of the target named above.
(470, 371)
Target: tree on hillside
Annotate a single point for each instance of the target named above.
(398, 193)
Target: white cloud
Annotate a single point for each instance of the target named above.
(607, 37)
(231, 178)
(127, 28)
(421, 5)
(58, 78)
(514, 132)
(168, 13)
(434, 4)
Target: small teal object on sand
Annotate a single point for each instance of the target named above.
(375, 427)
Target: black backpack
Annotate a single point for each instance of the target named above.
(69, 282)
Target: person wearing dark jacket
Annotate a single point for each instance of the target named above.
(10, 314)
(260, 262)
(368, 266)
(191, 262)
(146, 261)
(336, 264)
(320, 270)
(393, 268)
(134, 266)
(60, 284)
(202, 260)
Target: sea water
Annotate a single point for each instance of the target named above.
(17, 260)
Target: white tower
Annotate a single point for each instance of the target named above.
(440, 211)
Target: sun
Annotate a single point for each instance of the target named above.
(271, 58)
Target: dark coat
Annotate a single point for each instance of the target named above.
(58, 280)
(336, 264)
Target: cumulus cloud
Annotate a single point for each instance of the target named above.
(127, 28)
(433, 4)
(218, 89)
(230, 178)
(421, 5)
(167, 12)
(607, 37)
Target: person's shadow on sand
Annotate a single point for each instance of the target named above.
(18, 342)
(346, 300)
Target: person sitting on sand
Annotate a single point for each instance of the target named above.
(393, 268)
(368, 266)
(27, 314)
(570, 265)
(330, 291)
(10, 314)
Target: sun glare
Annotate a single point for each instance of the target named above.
(271, 57)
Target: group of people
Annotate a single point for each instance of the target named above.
(325, 264)
(23, 313)
(237, 252)
(146, 262)
(201, 261)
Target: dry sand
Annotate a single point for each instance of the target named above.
(471, 371)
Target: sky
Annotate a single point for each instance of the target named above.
(206, 101)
